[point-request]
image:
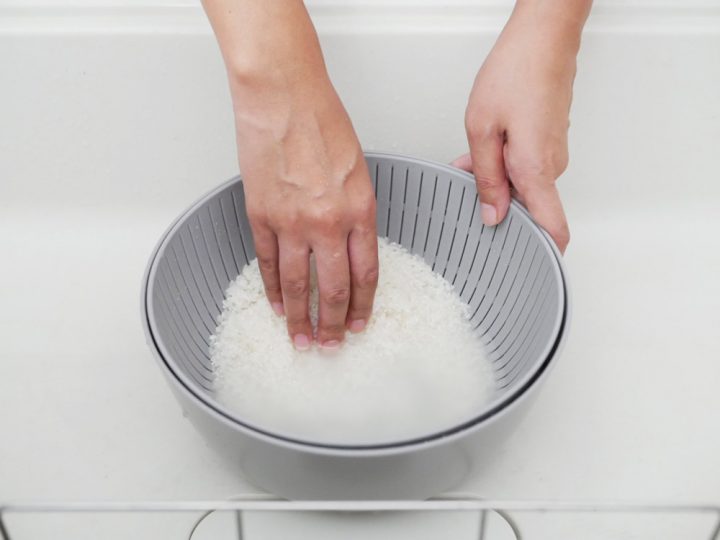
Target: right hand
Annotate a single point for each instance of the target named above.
(308, 190)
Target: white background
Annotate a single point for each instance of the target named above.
(115, 116)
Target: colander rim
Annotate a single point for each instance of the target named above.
(491, 411)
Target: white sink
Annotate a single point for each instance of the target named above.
(109, 129)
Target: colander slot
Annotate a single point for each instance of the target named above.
(183, 292)
(230, 231)
(472, 238)
(232, 227)
(385, 174)
(436, 220)
(522, 292)
(216, 220)
(485, 239)
(181, 268)
(188, 323)
(456, 251)
(199, 351)
(502, 306)
(519, 313)
(374, 177)
(448, 231)
(246, 237)
(210, 246)
(512, 347)
(417, 215)
(535, 342)
(196, 365)
(396, 212)
(489, 268)
(521, 356)
(495, 286)
(200, 250)
(177, 355)
(426, 205)
(411, 199)
(211, 299)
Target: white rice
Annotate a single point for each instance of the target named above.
(417, 369)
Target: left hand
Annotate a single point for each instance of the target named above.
(517, 124)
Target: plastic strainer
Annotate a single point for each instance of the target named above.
(510, 276)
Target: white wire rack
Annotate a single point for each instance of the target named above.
(507, 510)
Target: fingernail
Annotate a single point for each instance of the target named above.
(301, 342)
(278, 308)
(330, 345)
(357, 325)
(489, 214)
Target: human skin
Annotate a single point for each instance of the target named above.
(517, 117)
(306, 181)
(307, 185)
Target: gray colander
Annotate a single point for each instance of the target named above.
(510, 275)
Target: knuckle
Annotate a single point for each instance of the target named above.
(273, 289)
(326, 218)
(332, 329)
(487, 183)
(267, 264)
(478, 127)
(365, 209)
(297, 323)
(337, 296)
(295, 288)
(359, 313)
(548, 164)
(368, 278)
(255, 214)
(288, 222)
(522, 180)
(365, 227)
(554, 159)
(285, 223)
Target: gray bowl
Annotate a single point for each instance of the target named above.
(510, 275)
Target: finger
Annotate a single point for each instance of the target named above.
(333, 273)
(266, 249)
(488, 166)
(515, 194)
(542, 200)
(463, 162)
(363, 258)
(295, 283)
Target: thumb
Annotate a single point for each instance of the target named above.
(488, 166)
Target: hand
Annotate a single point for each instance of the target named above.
(306, 182)
(308, 190)
(517, 121)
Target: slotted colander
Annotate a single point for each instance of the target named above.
(510, 275)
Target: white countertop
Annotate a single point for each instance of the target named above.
(630, 411)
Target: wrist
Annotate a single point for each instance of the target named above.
(271, 52)
(556, 24)
(265, 84)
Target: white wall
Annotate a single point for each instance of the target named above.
(109, 103)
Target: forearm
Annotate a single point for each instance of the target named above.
(269, 47)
